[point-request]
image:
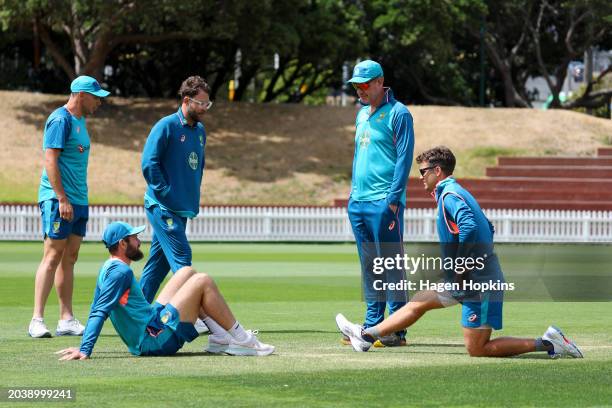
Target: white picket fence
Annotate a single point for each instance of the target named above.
(322, 224)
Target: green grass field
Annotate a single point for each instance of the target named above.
(291, 294)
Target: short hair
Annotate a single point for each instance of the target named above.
(439, 156)
(192, 85)
(113, 248)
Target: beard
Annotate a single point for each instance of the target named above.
(193, 115)
(134, 254)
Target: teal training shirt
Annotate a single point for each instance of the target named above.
(384, 145)
(172, 164)
(119, 296)
(68, 133)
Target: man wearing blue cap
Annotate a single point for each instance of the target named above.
(173, 167)
(62, 198)
(163, 328)
(384, 144)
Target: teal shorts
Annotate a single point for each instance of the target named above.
(482, 310)
(55, 227)
(166, 334)
(485, 312)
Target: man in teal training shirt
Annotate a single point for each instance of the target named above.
(464, 232)
(384, 143)
(173, 166)
(62, 198)
(163, 328)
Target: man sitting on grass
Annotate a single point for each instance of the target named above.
(463, 230)
(160, 329)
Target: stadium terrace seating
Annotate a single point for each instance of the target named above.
(552, 183)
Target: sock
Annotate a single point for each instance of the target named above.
(213, 326)
(543, 345)
(370, 334)
(238, 333)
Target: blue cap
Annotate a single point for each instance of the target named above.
(88, 84)
(116, 231)
(366, 71)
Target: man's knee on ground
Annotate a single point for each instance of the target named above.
(488, 349)
(475, 350)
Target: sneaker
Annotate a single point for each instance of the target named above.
(562, 345)
(353, 332)
(218, 343)
(38, 329)
(250, 347)
(392, 340)
(345, 340)
(70, 327)
(201, 327)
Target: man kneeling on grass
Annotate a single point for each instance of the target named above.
(162, 328)
(463, 229)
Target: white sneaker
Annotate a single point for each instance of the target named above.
(250, 347)
(38, 329)
(201, 327)
(218, 343)
(70, 327)
(562, 345)
(353, 332)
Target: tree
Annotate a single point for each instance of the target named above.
(562, 31)
(92, 29)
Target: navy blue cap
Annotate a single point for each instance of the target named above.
(88, 84)
(366, 71)
(116, 231)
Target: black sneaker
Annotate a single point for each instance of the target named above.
(392, 340)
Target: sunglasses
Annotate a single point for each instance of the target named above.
(205, 105)
(363, 86)
(425, 169)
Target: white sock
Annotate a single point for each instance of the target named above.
(238, 333)
(213, 326)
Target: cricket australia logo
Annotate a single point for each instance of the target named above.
(166, 317)
(364, 139)
(193, 160)
(56, 226)
(170, 223)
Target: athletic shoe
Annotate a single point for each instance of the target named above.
(392, 340)
(250, 347)
(38, 329)
(345, 340)
(218, 343)
(70, 327)
(353, 332)
(561, 344)
(201, 327)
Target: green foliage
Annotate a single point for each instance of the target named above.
(430, 48)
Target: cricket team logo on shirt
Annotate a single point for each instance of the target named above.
(380, 117)
(182, 138)
(56, 226)
(193, 160)
(472, 318)
(364, 139)
(201, 140)
(170, 223)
